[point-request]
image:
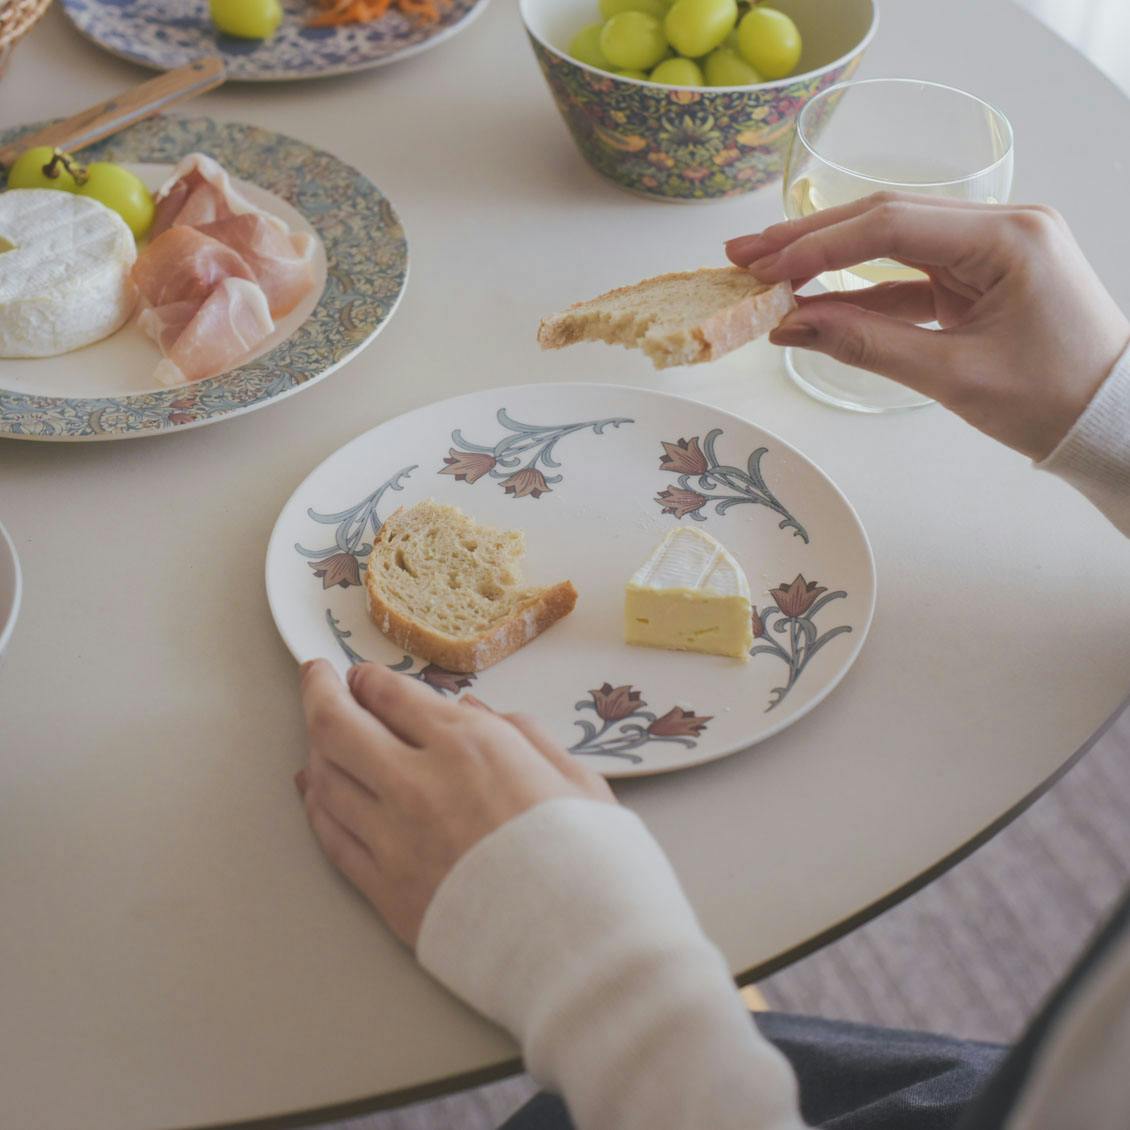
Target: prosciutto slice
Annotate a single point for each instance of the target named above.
(200, 192)
(164, 324)
(281, 261)
(185, 265)
(216, 273)
(202, 305)
(228, 325)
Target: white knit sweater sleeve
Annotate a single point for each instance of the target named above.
(1094, 457)
(568, 927)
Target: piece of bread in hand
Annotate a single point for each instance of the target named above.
(678, 319)
(449, 590)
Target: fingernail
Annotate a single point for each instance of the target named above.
(306, 667)
(794, 333)
(350, 675)
(300, 782)
(744, 243)
(758, 266)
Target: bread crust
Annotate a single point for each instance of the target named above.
(720, 333)
(542, 609)
(742, 322)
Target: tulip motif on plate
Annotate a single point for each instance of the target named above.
(626, 724)
(791, 618)
(517, 460)
(704, 481)
(341, 564)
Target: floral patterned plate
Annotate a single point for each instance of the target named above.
(595, 475)
(106, 390)
(164, 34)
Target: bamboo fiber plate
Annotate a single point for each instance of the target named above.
(595, 476)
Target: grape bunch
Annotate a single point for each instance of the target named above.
(690, 42)
(119, 189)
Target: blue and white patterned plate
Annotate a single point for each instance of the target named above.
(366, 267)
(164, 34)
(595, 476)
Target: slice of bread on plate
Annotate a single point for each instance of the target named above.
(449, 590)
(678, 319)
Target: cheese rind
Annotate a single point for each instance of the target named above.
(690, 595)
(64, 282)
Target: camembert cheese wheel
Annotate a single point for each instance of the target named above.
(64, 272)
(690, 595)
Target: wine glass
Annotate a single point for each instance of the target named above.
(901, 134)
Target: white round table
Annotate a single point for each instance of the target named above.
(176, 952)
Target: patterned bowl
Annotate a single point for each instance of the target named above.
(688, 144)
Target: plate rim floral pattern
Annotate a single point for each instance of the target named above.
(359, 230)
(682, 721)
(309, 68)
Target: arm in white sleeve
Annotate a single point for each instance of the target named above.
(1094, 457)
(568, 927)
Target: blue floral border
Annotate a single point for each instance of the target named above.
(367, 267)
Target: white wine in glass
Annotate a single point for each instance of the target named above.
(887, 134)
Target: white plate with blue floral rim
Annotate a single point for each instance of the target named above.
(106, 390)
(163, 34)
(595, 475)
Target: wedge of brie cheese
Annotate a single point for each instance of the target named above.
(64, 278)
(691, 595)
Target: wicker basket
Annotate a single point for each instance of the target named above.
(17, 18)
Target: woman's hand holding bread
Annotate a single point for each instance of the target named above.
(1028, 330)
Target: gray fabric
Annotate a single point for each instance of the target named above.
(853, 1076)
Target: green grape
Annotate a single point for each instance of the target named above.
(247, 19)
(44, 167)
(633, 40)
(769, 41)
(656, 8)
(629, 73)
(731, 40)
(725, 67)
(678, 72)
(696, 27)
(585, 47)
(122, 191)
